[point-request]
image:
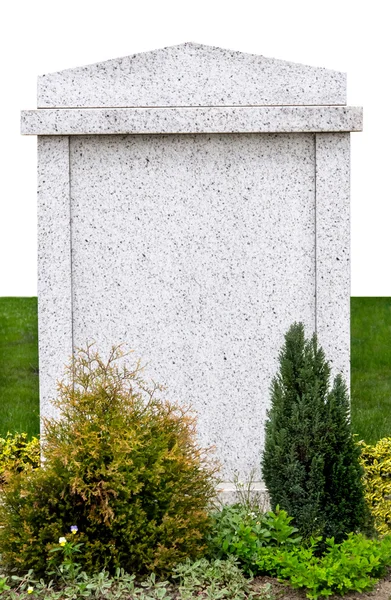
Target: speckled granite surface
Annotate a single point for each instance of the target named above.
(54, 266)
(198, 241)
(198, 252)
(191, 75)
(266, 119)
(333, 248)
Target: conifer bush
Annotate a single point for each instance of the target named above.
(122, 465)
(311, 463)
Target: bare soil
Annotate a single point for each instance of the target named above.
(280, 591)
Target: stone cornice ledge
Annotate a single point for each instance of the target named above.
(243, 119)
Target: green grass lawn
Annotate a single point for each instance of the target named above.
(371, 367)
(19, 395)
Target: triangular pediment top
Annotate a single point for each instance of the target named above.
(191, 74)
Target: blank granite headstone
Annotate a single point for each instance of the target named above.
(193, 203)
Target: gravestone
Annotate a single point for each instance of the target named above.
(194, 203)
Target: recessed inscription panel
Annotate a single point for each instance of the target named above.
(198, 251)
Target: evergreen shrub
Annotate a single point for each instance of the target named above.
(376, 461)
(16, 452)
(311, 464)
(122, 465)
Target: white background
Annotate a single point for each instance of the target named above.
(38, 37)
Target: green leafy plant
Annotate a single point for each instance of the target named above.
(376, 461)
(212, 579)
(17, 452)
(311, 463)
(4, 587)
(120, 463)
(120, 586)
(240, 532)
(63, 558)
(354, 565)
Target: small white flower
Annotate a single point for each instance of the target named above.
(30, 589)
(62, 541)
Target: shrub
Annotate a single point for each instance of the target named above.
(354, 565)
(121, 464)
(240, 532)
(16, 452)
(267, 544)
(311, 463)
(376, 461)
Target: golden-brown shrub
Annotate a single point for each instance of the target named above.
(121, 464)
(16, 452)
(376, 461)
